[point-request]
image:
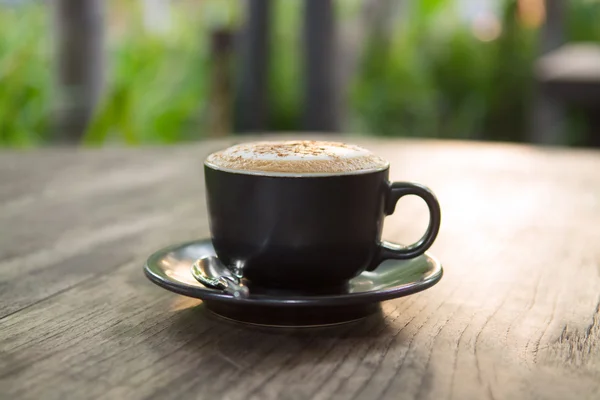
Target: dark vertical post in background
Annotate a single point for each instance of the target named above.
(320, 103)
(252, 98)
(219, 106)
(79, 35)
(548, 112)
(553, 32)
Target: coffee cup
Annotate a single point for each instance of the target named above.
(306, 215)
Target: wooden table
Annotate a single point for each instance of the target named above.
(516, 316)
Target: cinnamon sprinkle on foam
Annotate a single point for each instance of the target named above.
(297, 157)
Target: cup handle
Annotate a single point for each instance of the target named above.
(397, 190)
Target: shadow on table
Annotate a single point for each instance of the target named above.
(222, 356)
(205, 332)
(376, 324)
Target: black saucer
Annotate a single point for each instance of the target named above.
(170, 269)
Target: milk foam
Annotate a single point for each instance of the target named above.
(295, 158)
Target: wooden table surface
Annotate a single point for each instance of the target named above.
(516, 316)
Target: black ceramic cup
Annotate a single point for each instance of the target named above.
(308, 232)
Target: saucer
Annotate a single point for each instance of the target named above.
(169, 268)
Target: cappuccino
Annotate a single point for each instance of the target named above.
(305, 215)
(293, 158)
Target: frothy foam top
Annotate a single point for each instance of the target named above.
(306, 157)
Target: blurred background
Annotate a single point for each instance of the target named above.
(98, 72)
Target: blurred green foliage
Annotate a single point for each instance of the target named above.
(430, 77)
(285, 94)
(25, 77)
(158, 88)
(434, 78)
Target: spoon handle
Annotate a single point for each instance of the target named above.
(211, 273)
(237, 290)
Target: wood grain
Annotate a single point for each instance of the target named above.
(516, 316)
